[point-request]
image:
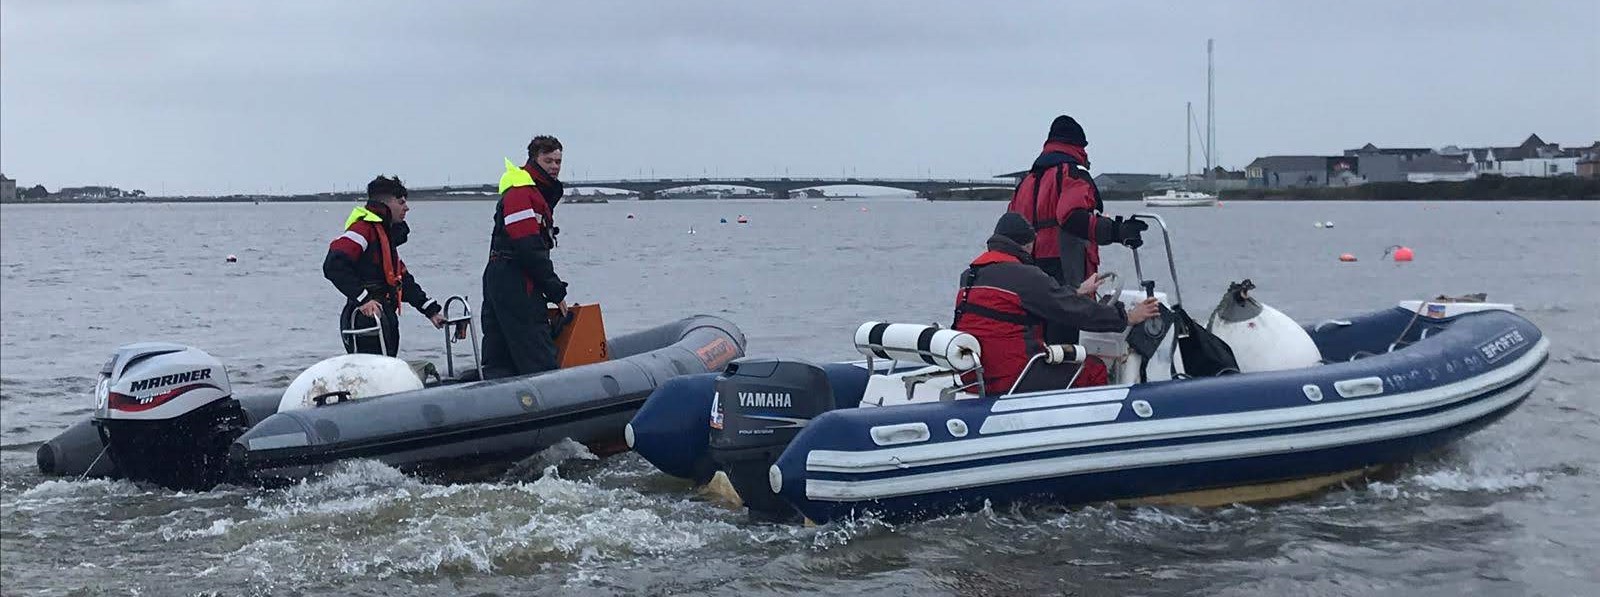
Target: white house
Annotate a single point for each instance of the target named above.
(1533, 158)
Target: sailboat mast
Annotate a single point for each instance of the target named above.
(1188, 140)
(1211, 127)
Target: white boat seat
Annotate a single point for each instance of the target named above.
(928, 384)
(932, 345)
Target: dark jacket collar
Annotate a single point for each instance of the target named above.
(398, 231)
(1002, 245)
(1056, 153)
(550, 188)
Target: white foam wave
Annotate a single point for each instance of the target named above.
(60, 491)
(1474, 480)
(373, 521)
(218, 528)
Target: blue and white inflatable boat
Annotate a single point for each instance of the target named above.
(1377, 401)
(900, 437)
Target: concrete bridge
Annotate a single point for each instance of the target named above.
(780, 188)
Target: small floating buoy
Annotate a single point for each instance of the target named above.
(1347, 258)
(1327, 224)
(1316, 224)
(233, 259)
(863, 208)
(743, 220)
(1402, 253)
(722, 221)
(630, 216)
(813, 207)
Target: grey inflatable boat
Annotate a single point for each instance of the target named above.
(165, 414)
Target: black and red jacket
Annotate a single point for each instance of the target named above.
(1005, 301)
(1058, 196)
(358, 267)
(524, 232)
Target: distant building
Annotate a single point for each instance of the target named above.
(1589, 164)
(1589, 168)
(1410, 164)
(1533, 157)
(1283, 171)
(8, 189)
(1403, 152)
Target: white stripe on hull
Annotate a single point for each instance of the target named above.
(1015, 472)
(864, 461)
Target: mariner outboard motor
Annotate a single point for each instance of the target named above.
(760, 404)
(166, 414)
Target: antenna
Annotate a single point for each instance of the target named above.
(1188, 141)
(1211, 127)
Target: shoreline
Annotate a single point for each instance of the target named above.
(325, 199)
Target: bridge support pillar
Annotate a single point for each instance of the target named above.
(780, 194)
(647, 195)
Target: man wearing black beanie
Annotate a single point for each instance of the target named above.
(1058, 197)
(1005, 301)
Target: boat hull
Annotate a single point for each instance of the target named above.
(1266, 436)
(457, 431)
(1152, 202)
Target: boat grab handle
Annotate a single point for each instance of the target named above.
(383, 343)
(450, 339)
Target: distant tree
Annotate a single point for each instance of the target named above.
(36, 192)
(136, 193)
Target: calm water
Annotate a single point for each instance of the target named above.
(1509, 511)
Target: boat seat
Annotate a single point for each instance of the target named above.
(947, 354)
(928, 384)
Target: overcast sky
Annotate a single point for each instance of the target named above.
(217, 97)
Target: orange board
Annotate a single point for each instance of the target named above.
(583, 339)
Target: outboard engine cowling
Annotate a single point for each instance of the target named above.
(166, 414)
(759, 406)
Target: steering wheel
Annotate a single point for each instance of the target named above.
(1116, 295)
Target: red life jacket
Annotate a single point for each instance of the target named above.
(1007, 334)
(1046, 195)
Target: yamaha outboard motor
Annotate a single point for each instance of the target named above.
(166, 414)
(760, 404)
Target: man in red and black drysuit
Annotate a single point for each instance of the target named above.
(1059, 198)
(364, 264)
(1005, 301)
(520, 279)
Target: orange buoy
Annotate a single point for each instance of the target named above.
(1402, 253)
(1347, 258)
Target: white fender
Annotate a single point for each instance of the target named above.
(362, 375)
(1270, 341)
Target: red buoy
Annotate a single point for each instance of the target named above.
(1347, 258)
(1402, 253)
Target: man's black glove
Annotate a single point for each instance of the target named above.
(1128, 232)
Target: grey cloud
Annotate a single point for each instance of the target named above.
(234, 96)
